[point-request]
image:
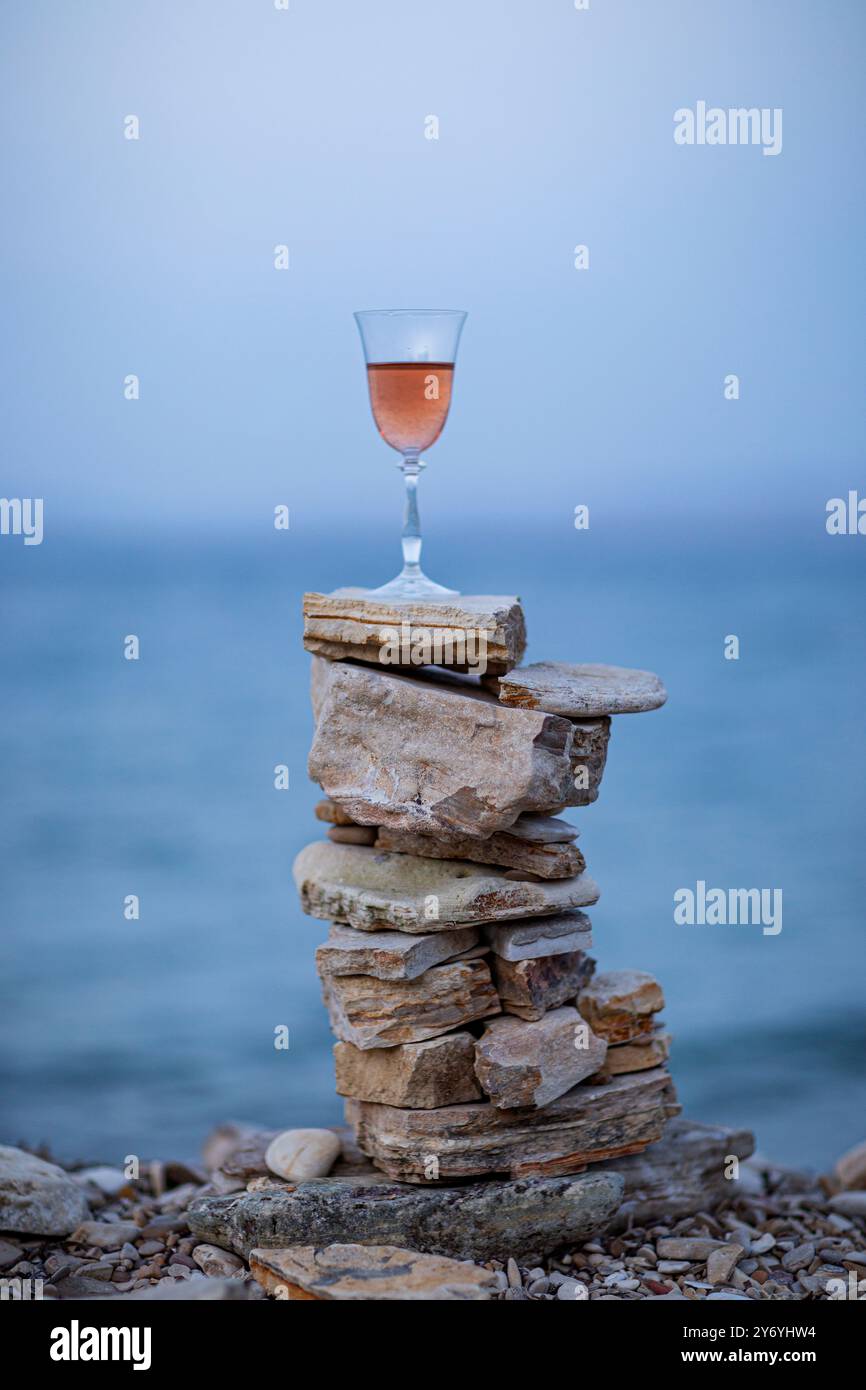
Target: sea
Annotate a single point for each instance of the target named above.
(153, 780)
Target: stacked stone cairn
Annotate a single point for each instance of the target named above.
(475, 1037)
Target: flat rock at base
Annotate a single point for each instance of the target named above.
(372, 890)
(528, 988)
(350, 623)
(38, 1198)
(587, 1125)
(355, 1273)
(296, 1154)
(683, 1173)
(483, 1220)
(521, 1064)
(390, 955)
(652, 1050)
(582, 691)
(382, 1013)
(564, 933)
(421, 1075)
(619, 1004)
(551, 860)
(418, 754)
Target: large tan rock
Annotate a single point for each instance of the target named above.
(537, 937)
(419, 1076)
(581, 691)
(365, 1273)
(373, 890)
(508, 849)
(390, 955)
(410, 753)
(528, 988)
(383, 1013)
(588, 1124)
(353, 624)
(619, 1004)
(523, 1064)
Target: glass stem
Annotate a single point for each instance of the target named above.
(411, 466)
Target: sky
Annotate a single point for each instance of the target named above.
(307, 128)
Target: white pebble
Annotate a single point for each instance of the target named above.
(303, 1153)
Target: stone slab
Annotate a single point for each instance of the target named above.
(537, 937)
(552, 860)
(619, 1004)
(528, 988)
(652, 1050)
(369, 1273)
(683, 1173)
(581, 691)
(372, 890)
(390, 955)
(383, 1013)
(418, 1076)
(528, 1064)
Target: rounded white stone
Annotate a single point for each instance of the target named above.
(303, 1153)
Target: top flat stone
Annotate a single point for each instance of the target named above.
(350, 623)
(580, 692)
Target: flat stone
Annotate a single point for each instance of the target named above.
(196, 1290)
(582, 691)
(105, 1235)
(566, 933)
(692, 1249)
(352, 834)
(849, 1203)
(354, 623)
(332, 814)
(526, 1219)
(543, 830)
(382, 1013)
(409, 753)
(365, 1273)
(522, 1064)
(850, 1169)
(373, 891)
(390, 955)
(297, 1154)
(684, 1172)
(528, 988)
(38, 1198)
(217, 1263)
(587, 1125)
(652, 1050)
(721, 1263)
(619, 1004)
(419, 1075)
(553, 860)
(109, 1181)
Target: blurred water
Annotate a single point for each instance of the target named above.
(156, 778)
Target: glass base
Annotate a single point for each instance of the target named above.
(415, 585)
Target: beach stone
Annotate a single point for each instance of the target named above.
(352, 834)
(331, 813)
(382, 1013)
(297, 1154)
(197, 1290)
(365, 1273)
(106, 1235)
(483, 1220)
(419, 1075)
(850, 1169)
(529, 988)
(683, 1173)
(565, 933)
(427, 755)
(522, 1064)
(849, 1203)
(721, 1263)
(507, 849)
(587, 1124)
(799, 1258)
(692, 1249)
(543, 830)
(10, 1253)
(373, 891)
(349, 623)
(38, 1198)
(581, 691)
(619, 1004)
(217, 1263)
(110, 1181)
(652, 1050)
(390, 955)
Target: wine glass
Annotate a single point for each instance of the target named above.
(410, 355)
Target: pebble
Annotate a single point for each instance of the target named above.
(763, 1244)
(538, 1287)
(9, 1253)
(298, 1154)
(514, 1279)
(570, 1290)
(721, 1262)
(849, 1203)
(799, 1257)
(218, 1263)
(105, 1235)
(672, 1266)
(150, 1247)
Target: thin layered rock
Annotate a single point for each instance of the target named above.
(372, 890)
(587, 1125)
(650, 1051)
(417, 1076)
(529, 988)
(508, 849)
(619, 1004)
(383, 1013)
(390, 955)
(421, 755)
(522, 1064)
(535, 938)
(364, 1273)
(350, 623)
(580, 691)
